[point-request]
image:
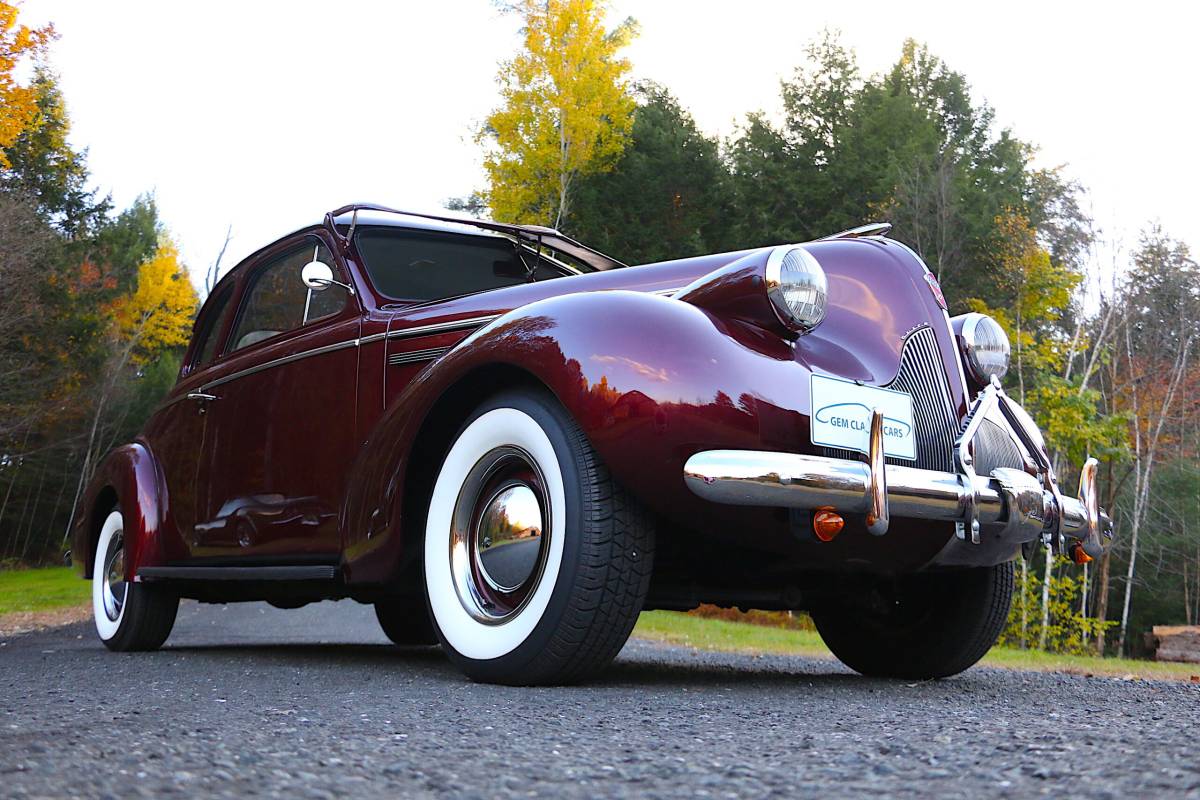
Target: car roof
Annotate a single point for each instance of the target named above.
(402, 220)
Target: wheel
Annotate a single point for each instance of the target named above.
(405, 623)
(927, 626)
(536, 562)
(129, 616)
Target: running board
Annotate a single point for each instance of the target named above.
(295, 573)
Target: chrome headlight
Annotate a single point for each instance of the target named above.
(985, 346)
(797, 288)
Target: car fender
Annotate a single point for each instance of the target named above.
(650, 380)
(130, 478)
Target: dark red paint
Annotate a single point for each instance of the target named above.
(314, 461)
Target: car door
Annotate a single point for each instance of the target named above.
(175, 433)
(280, 430)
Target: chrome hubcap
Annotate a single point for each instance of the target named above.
(116, 590)
(499, 537)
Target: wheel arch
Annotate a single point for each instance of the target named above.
(106, 499)
(128, 478)
(439, 427)
(623, 364)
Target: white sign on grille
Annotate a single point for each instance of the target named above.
(841, 417)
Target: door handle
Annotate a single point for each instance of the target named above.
(200, 396)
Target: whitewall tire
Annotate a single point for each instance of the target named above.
(128, 616)
(535, 563)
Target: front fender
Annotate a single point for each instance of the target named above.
(650, 380)
(128, 478)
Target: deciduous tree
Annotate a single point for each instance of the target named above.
(566, 110)
(18, 103)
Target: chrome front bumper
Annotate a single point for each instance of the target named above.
(1010, 505)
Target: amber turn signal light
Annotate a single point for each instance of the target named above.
(827, 524)
(1079, 555)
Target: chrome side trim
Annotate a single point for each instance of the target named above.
(438, 327)
(278, 362)
(413, 356)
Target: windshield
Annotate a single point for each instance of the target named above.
(419, 266)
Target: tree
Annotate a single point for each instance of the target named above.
(669, 180)
(18, 104)
(566, 110)
(43, 166)
(1160, 332)
(157, 316)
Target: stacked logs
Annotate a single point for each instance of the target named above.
(1175, 643)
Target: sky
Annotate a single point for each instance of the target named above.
(261, 116)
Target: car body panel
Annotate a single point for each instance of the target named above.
(308, 451)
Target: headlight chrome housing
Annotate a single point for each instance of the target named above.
(797, 288)
(985, 346)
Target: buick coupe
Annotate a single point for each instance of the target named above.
(511, 444)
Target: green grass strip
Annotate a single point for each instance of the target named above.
(42, 589)
(686, 630)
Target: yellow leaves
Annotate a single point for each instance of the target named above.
(158, 314)
(18, 104)
(566, 110)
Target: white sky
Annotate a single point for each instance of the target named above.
(264, 115)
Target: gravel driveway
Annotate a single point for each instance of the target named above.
(247, 700)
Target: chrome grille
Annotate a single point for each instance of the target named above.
(923, 378)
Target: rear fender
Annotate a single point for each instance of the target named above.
(128, 478)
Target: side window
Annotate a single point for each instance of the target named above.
(277, 299)
(208, 332)
(424, 265)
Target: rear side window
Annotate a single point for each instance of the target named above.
(421, 265)
(277, 300)
(208, 331)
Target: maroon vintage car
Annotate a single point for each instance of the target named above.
(512, 444)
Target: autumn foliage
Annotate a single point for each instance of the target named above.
(18, 104)
(565, 110)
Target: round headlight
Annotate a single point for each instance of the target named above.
(797, 288)
(985, 346)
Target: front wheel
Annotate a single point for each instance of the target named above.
(919, 627)
(129, 616)
(536, 562)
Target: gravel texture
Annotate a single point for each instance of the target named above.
(247, 700)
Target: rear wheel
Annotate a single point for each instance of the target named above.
(405, 623)
(536, 561)
(129, 616)
(926, 626)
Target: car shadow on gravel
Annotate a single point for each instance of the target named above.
(645, 668)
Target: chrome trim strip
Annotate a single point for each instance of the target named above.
(413, 356)
(439, 327)
(278, 362)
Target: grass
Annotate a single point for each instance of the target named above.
(42, 589)
(687, 630)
